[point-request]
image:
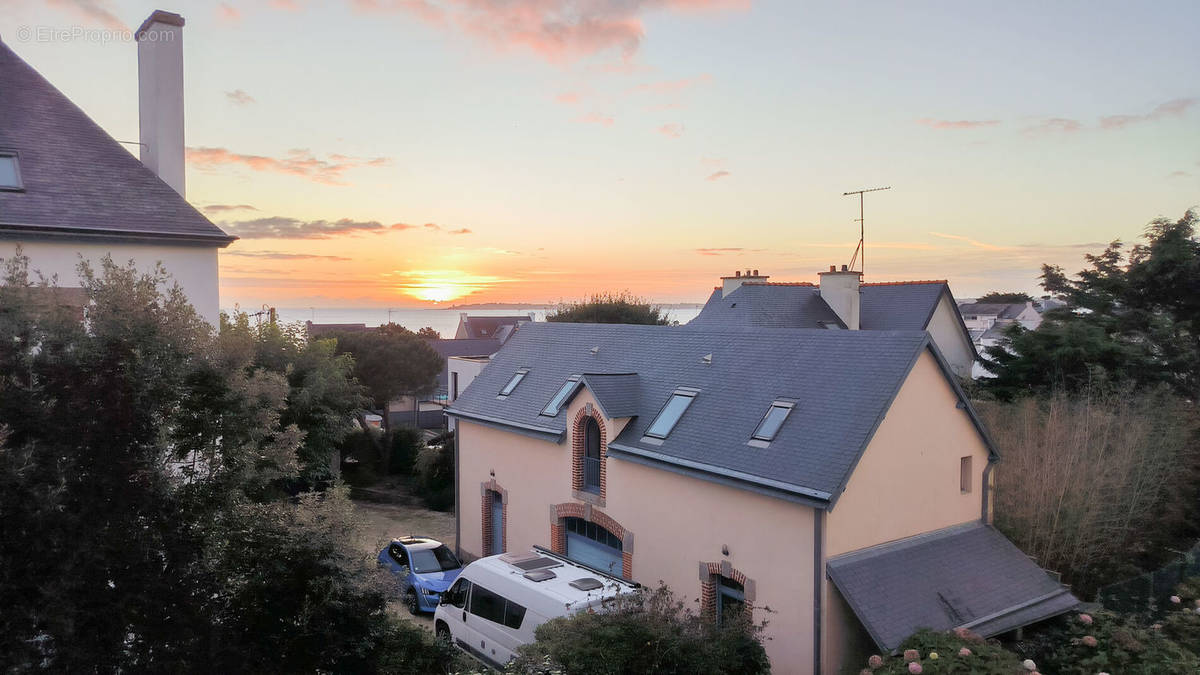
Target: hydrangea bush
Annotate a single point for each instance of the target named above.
(960, 652)
(1105, 642)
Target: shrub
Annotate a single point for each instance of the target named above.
(404, 443)
(1101, 641)
(937, 653)
(434, 468)
(649, 631)
(1182, 622)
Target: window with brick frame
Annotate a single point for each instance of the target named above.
(964, 475)
(494, 518)
(589, 443)
(725, 593)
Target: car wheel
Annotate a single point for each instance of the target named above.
(410, 601)
(442, 631)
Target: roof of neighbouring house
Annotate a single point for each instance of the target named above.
(1000, 310)
(491, 326)
(465, 347)
(318, 329)
(78, 181)
(844, 382)
(966, 576)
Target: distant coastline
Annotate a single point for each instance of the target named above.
(524, 305)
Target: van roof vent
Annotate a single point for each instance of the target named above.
(540, 575)
(586, 583)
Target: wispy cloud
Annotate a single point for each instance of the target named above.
(671, 130)
(717, 175)
(973, 242)
(228, 14)
(225, 208)
(277, 255)
(957, 124)
(281, 227)
(432, 226)
(1173, 108)
(568, 97)
(557, 31)
(1054, 125)
(461, 230)
(299, 162)
(597, 118)
(92, 12)
(239, 97)
(725, 250)
(1179, 174)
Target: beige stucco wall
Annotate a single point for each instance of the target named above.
(948, 335)
(906, 483)
(193, 267)
(677, 522)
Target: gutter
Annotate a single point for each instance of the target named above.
(55, 232)
(544, 433)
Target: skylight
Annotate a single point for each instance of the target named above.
(669, 416)
(769, 426)
(512, 383)
(555, 403)
(10, 172)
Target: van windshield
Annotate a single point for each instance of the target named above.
(440, 559)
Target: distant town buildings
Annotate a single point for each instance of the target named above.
(987, 321)
(68, 191)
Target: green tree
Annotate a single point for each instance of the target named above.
(610, 308)
(1005, 297)
(140, 529)
(391, 362)
(1130, 319)
(648, 631)
(429, 333)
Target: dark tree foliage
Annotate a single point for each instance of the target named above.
(1130, 320)
(610, 308)
(429, 333)
(1005, 297)
(139, 525)
(649, 631)
(323, 394)
(390, 362)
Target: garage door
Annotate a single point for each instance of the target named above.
(594, 546)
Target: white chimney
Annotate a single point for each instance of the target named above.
(839, 290)
(160, 96)
(731, 284)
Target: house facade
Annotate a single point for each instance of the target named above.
(747, 470)
(841, 301)
(986, 323)
(69, 192)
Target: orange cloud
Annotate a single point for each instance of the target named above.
(568, 97)
(239, 97)
(671, 130)
(718, 175)
(1055, 125)
(673, 86)
(96, 12)
(299, 162)
(597, 118)
(228, 14)
(957, 124)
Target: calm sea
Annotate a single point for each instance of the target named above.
(444, 321)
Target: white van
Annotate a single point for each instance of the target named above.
(498, 601)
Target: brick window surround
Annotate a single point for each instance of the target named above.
(558, 530)
(709, 573)
(488, 490)
(579, 451)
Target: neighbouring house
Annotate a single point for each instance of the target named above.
(427, 412)
(487, 327)
(839, 477)
(462, 371)
(842, 302)
(987, 321)
(68, 191)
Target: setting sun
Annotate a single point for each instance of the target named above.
(442, 285)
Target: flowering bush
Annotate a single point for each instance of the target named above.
(1106, 642)
(959, 653)
(1182, 623)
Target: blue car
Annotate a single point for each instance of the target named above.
(425, 567)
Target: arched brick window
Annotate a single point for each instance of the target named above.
(495, 517)
(589, 447)
(725, 592)
(590, 536)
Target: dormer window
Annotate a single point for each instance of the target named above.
(669, 416)
(10, 171)
(513, 382)
(556, 403)
(773, 420)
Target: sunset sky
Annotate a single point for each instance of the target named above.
(386, 153)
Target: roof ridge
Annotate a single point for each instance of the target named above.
(906, 283)
(779, 283)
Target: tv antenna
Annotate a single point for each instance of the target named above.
(860, 251)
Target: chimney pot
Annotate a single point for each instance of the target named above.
(737, 273)
(833, 268)
(755, 272)
(844, 268)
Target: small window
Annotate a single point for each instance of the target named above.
(555, 403)
(731, 600)
(669, 416)
(964, 475)
(769, 426)
(508, 388)
(453, 387)
(10, 171)
(514, 614)
(457, 595)
(487, 605)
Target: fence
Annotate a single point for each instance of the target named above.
(1148, 593)
(424, 419)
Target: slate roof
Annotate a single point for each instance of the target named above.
(78, 181)
(447, 348)
(964, 576)
(1002, 310)
(491, 326)
(900, 306)
(618, 395)
(844, 382)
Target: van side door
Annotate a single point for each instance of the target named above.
(455, 602)
(496, 622)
